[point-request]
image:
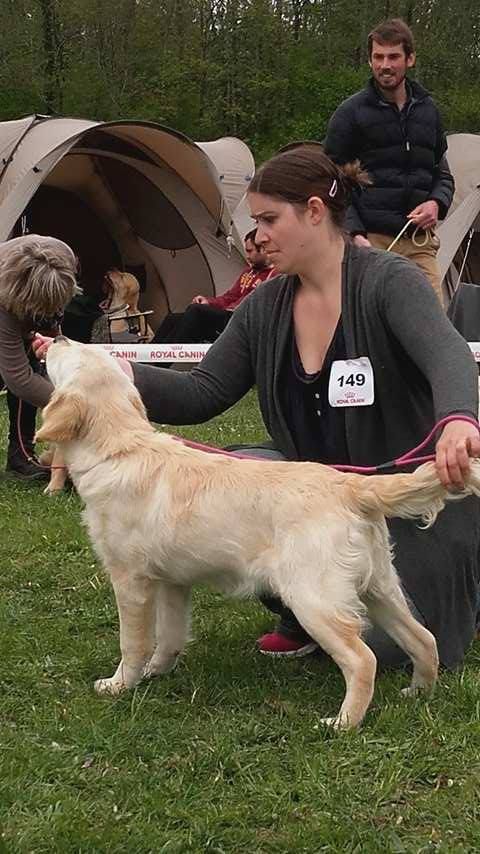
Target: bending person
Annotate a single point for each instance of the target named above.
(294, 339)
(37, 280)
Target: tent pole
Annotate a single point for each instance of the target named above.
(467, 250)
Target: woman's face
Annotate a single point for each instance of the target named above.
(282, 229)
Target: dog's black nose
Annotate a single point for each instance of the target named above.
(59, 338)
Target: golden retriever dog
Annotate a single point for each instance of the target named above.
(164, 517)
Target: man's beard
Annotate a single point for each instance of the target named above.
(393, 87)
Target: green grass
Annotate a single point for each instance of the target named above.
(223, 755)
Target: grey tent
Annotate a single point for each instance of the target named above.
(461, 228)
(130, 194)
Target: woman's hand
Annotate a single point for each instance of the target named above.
(126, 367)
(459, 441)
(40, 345)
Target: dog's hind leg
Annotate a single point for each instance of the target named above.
(339, 636)
(135, 595)
(388, 608)
(172, 621)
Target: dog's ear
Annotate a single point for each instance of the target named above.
(63, 417)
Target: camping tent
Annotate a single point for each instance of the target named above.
(128, 194)
(463, 220)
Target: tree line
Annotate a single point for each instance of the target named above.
(268, 71)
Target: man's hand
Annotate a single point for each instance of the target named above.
(425, 215)
(200, 300)
(459, 441)
(360, 240)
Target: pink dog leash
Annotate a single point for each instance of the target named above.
(410, 457)
(23, 449)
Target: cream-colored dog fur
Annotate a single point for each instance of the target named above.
(163, 517)
(53, 457)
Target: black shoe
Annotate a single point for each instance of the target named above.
(21, 468)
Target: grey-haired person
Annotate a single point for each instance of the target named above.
(37, 280)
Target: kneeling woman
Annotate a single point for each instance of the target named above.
(294, 338)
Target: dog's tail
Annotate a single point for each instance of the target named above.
(412, 496)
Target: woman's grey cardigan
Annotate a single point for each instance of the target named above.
(423, 368)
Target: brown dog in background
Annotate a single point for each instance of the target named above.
(122, 315)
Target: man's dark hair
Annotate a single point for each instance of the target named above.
(251, 236)
(393, 31)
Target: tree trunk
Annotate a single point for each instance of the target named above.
(53, 56)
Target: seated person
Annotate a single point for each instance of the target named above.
(206, 317)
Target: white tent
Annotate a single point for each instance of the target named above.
(464, 215)
(129, 194)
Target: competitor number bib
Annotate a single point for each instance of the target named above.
(351, 383)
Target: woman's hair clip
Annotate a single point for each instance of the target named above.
(333, 189)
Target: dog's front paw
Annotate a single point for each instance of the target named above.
(51, 489)
(414, 690)
(333, 723)
(417, 688)
(161, 664)
(341, 722)
(125, 677)
(113, 687)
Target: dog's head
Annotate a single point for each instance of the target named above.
(92, 396)
(120, 289)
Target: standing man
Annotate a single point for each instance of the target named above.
(394, 128)
(206, 317)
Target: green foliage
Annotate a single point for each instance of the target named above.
(264, 70)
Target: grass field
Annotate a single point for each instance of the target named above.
(223, 755)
